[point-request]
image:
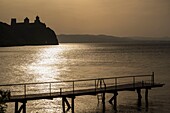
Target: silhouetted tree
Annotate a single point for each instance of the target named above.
(4, 96)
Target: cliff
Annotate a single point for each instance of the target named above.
(20, 34)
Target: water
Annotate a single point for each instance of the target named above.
(80, 61)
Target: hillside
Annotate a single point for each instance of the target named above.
(77, 38)
(91, 39)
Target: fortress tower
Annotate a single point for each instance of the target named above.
(26, 20)
(37, 20)
(13, 21)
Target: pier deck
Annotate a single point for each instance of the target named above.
(70, 89)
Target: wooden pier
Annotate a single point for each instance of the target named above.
(21, 93)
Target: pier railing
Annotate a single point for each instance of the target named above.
(72, 86)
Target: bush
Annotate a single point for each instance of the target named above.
(4, 97)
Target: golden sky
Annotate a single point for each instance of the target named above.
(112, 17)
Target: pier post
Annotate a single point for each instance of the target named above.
(67, 103)
(64, 100)
(72, 103)
(139, 97)
(115, 100)
(16, 107)
(24, 107)
(63, 104)
(146, 98)
(103, 101)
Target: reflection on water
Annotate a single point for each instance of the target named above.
(45, 64)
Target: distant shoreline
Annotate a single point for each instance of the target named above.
(76, 38)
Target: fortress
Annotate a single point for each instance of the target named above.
(26, 33)
(36, 23)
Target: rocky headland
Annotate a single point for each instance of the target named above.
(26, 33)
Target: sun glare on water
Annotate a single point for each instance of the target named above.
(46, 64)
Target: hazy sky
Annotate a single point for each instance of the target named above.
(113, 17)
